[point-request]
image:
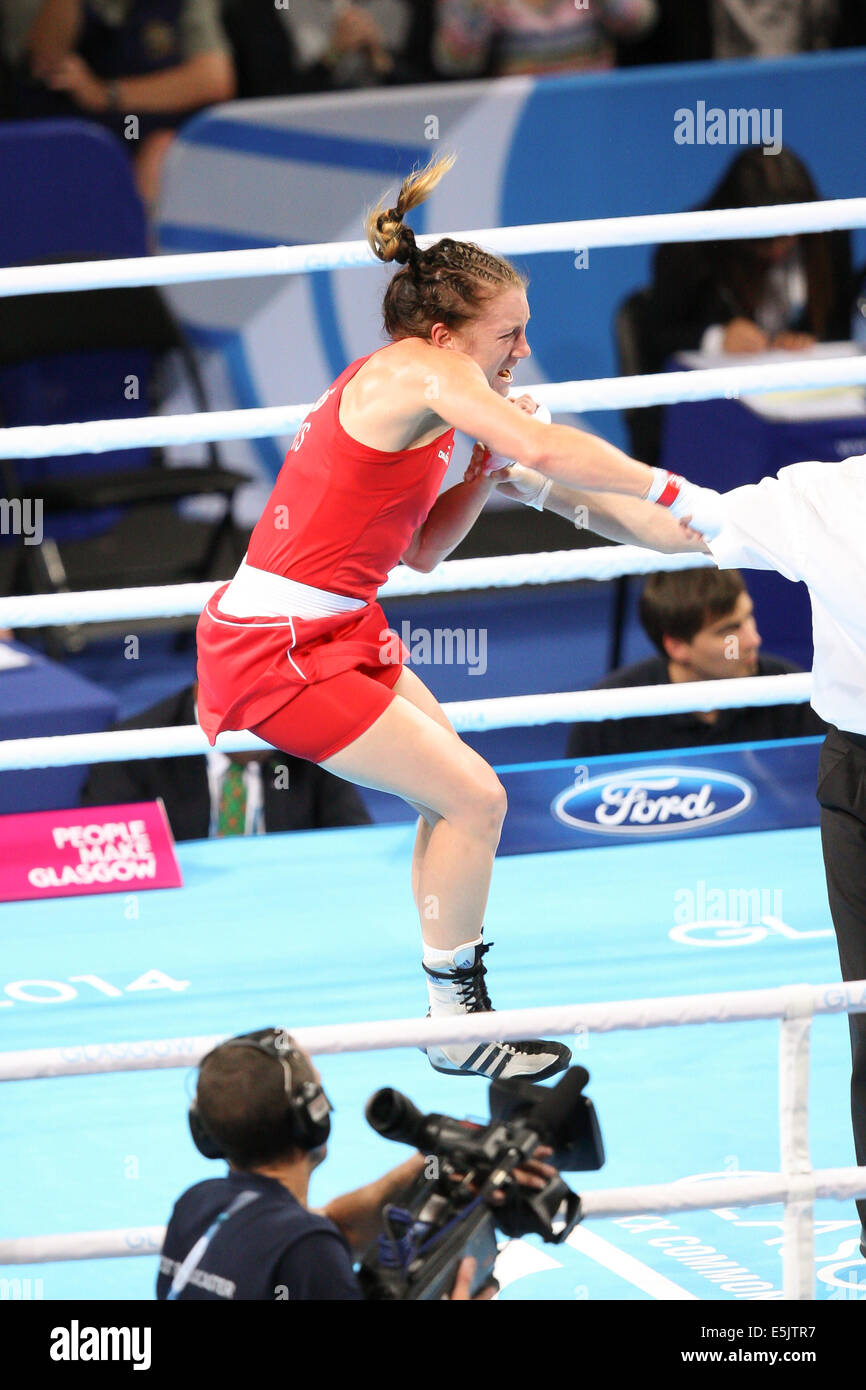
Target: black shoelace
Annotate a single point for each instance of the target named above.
(472, 993)
(472, 990)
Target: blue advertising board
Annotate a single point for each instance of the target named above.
(673, 794)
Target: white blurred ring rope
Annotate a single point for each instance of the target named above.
(467, 716)
(452, 576)
(612, 393)
(717, 225)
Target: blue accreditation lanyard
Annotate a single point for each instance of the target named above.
(196, 1254)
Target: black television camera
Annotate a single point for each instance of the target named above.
(449, 1212)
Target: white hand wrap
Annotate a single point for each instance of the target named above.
(703, 505)
(532, 490)
(540, 497)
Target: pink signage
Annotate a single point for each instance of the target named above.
(105, 849)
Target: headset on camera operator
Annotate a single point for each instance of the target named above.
(249, 1235)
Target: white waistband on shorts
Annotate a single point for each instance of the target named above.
(255, 593)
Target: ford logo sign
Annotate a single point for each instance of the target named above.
(653, 801)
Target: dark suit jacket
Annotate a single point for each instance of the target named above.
(644, 733)
(313, 799)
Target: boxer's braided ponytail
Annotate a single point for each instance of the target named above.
(448, 283)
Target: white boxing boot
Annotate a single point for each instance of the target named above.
(455, 983)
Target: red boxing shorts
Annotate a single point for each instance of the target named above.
(308, 686)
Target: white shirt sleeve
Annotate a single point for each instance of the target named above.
(763, 529)
(254, 787)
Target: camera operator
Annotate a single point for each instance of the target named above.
(250, 1235)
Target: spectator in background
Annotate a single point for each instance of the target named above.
(703, 29)
(703, 624)
(16, 20)
(770, 29)
(748, 296)
(497, 38)
(214, 794)
(321, 46)
(108, 60)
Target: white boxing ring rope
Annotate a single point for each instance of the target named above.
(733, 1006)
(610, 393)
(796, 1185)
(600, 563)
(467, 716)
(725, 224)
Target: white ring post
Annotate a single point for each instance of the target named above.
(798, 1246)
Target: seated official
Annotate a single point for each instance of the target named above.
(250, 1235)
(703, 624)
(215, 794)
(759, 293)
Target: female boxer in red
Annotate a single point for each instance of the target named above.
(296, 647)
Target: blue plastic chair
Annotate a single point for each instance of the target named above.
(70, 192)
(71, 196)
(66, 357)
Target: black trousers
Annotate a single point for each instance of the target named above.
(842, 796)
